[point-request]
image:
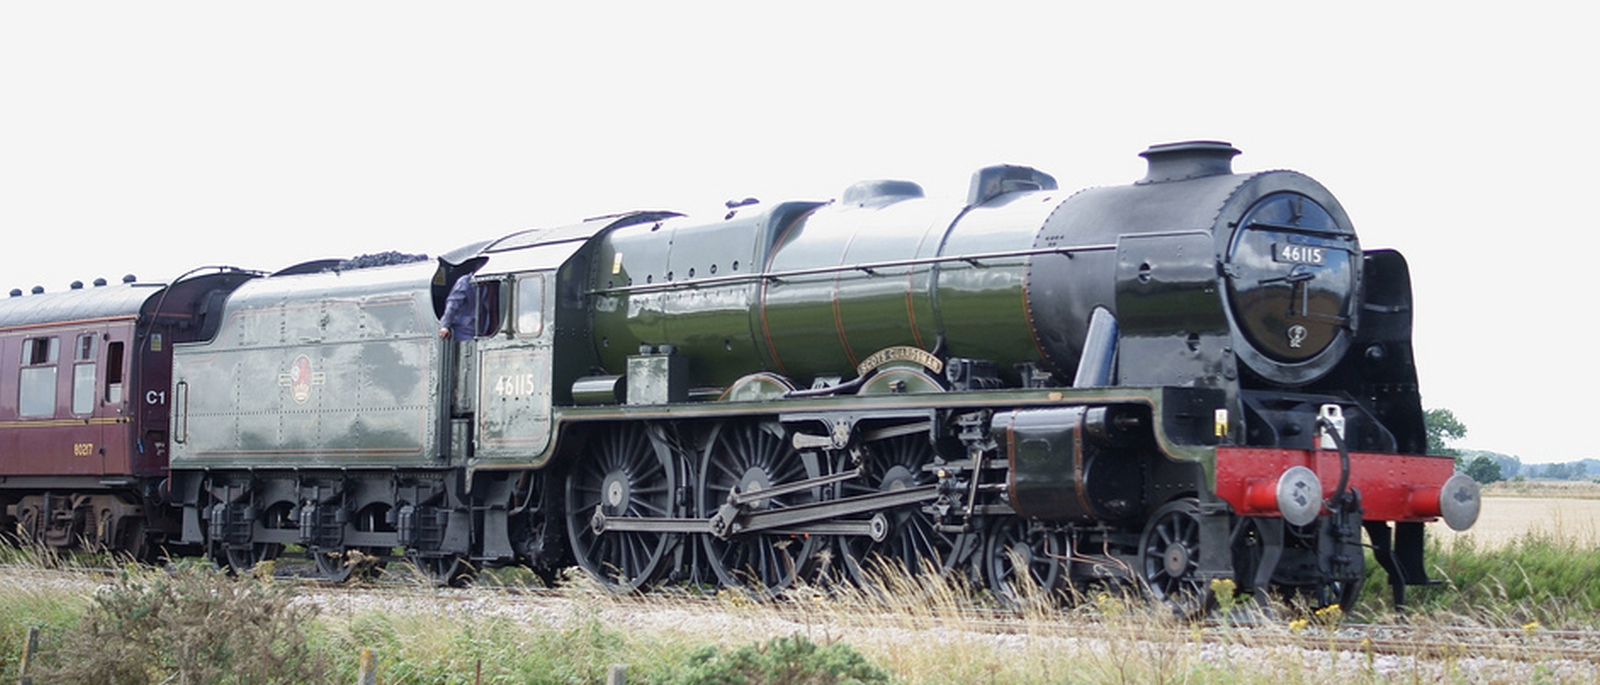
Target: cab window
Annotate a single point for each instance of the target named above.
(530, 305)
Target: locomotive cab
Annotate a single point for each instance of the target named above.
(513, 393)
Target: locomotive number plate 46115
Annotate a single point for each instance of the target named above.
(1298, 254)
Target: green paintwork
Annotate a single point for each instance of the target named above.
(1046, 467)
(710, 324)
(322, 369)
(825, 324)
(816, 290)
(982, 307)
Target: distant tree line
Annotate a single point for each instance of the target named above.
(1488, 467)
(1572, 470)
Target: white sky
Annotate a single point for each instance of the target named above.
(152, 137)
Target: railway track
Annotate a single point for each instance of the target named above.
(1421, 639)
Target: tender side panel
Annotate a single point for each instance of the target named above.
(348, 379)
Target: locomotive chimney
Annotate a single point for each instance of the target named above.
(1189, 159)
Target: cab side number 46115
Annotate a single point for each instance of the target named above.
(520, 385)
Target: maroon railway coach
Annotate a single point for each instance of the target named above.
(85, 383)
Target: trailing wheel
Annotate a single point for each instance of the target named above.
(622, 474)
(1169, 557)
(747, 458)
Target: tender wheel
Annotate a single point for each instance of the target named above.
(751, 458)
(912, 542)
(622, 474)
(332, 565)
(240, 558)
(443, 571)
(337, 565)
(1169, 557)
(1021, 562)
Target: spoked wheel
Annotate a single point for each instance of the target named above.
(1169, 557)
(749, 458)
(912, 542)
(622, 474)
(1021, 562)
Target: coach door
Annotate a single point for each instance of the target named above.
(514, 373)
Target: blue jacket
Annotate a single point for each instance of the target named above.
(460, 308)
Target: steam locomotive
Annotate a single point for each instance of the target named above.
(1197, 376)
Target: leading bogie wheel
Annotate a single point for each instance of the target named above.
(1169, 558)
(1023, 563)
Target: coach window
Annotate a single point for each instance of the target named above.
(114, 373)
(83, 374)
(530, 304)
(36, 389)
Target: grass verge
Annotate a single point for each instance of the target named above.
(190, 623)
